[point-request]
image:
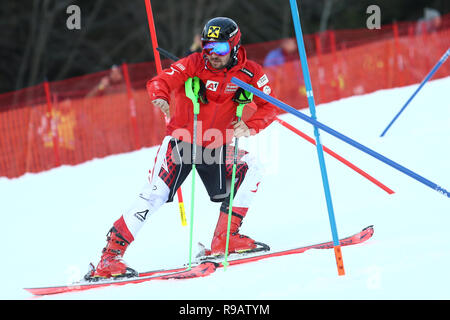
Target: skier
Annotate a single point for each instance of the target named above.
(221, 59)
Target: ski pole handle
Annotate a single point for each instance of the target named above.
(191, 88)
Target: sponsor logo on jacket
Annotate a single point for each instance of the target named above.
(262, 81)
(231, 87)
(212, 85)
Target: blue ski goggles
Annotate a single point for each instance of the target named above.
(219, 48)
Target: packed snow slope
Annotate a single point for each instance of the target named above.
(54, 223)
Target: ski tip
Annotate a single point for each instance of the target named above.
(369, 229)
(364, 235)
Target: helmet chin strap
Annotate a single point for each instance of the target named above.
(233, 60)
(233, 56)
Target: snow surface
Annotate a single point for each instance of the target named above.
(55, 222)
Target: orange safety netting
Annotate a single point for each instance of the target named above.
(78, 119)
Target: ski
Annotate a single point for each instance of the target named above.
(202, 269)
(244, 257)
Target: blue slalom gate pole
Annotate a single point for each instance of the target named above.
(339, 135)
(312, 108)
(435, 68)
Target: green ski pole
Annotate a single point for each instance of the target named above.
(242, 100)
(192, 87)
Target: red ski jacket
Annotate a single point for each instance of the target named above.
(216, 116)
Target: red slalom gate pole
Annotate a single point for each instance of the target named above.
(151, 25)
(53, 130)
(132, 104)
(335, 155)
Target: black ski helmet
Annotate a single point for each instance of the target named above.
(223, 29)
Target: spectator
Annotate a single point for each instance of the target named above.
(283, 68)
(196, 45)
(111, 80)
(430, 22)
(286, 52)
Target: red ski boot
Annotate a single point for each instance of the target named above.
(238, 243)
(111, 263)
